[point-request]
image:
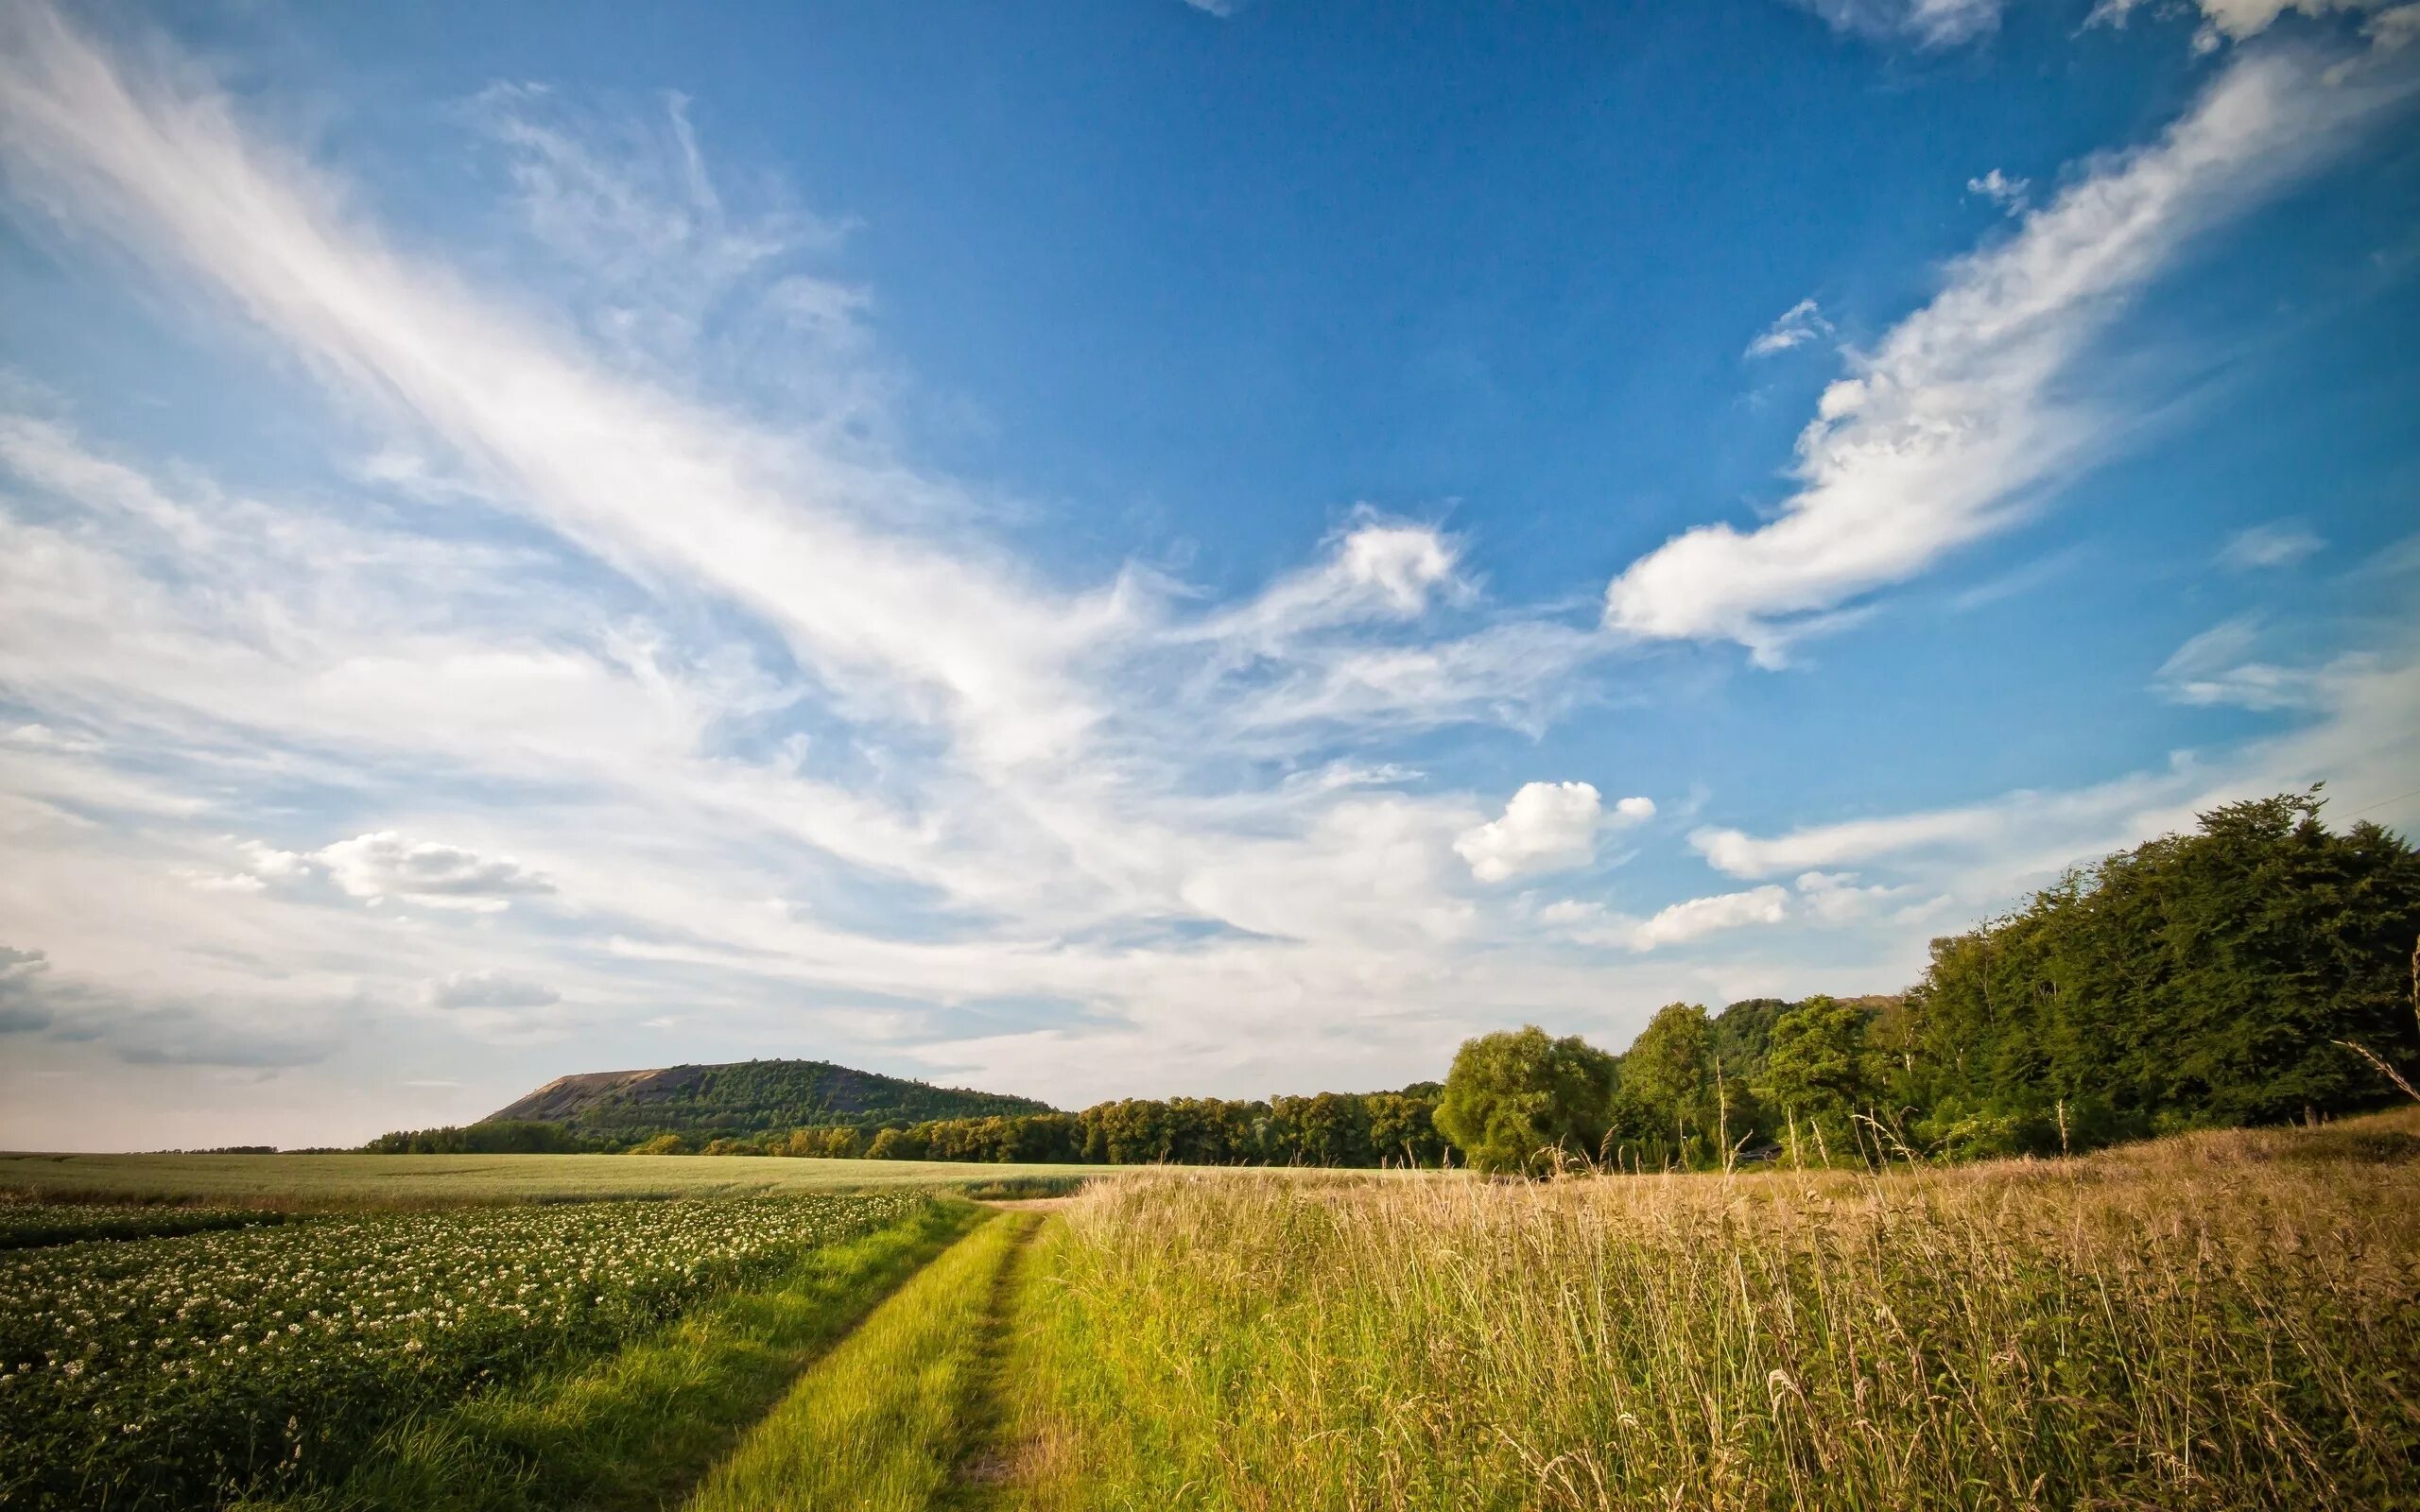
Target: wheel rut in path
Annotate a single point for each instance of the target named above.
(987, 1460)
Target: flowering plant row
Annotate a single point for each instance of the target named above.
(170, 1371)
(25, 1225)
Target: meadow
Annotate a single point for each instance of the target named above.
(2213, 1320)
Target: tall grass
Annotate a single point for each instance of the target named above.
(886, 1419)
(2217, 1322)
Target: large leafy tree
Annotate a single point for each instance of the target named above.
(1818, 1073)
(1667, 1076)
(1517, 1100)
(2201, 978)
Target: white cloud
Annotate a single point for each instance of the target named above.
(1379, 568)
(2232, 21)
(1591, 923)
(2363, 719)
(1829, 899)
(1685, 921)
(1027, 833)
(1954, 426)
(1924, 23)
(2218, 667)
(386, 864)
(1546, 827)
(165, 168)
(43, 738)
(490, 989)
(2001, 190)
(1796, 326)
(2278, 543)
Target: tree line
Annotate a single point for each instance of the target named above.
(2244, 972)
(2233, 976)
(1328, 1128)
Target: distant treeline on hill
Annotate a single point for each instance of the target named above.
(747, 1097)
(1330, 1129)
(2201, 980)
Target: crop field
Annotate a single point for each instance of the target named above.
(347, 1180)
(177, 1371)
(2215, 1320)
(25, 1224)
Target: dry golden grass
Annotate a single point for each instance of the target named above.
(2221, 1321)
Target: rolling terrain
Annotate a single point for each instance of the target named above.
(746, 1098)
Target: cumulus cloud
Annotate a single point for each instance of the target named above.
(490, 989)
(1954, 426)
(1546, 827)
(387, 864)
(2278, 543)
(1796, 326)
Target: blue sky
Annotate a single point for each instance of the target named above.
(1136, 548)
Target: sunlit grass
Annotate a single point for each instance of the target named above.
(2224, 1320)
(884, 1421)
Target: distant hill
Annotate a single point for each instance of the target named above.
(745, 1097)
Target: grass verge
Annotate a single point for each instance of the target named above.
(2216, 1321)
(891, 1418)
(636, 1427)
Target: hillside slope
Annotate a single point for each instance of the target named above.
(746, 1098)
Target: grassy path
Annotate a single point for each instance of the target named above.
(638, 1427)
(901, 1414)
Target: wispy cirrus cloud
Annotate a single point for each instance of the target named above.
(626, 686)
(2278, 543)
(1951, 428)
(781, 734)
(1921, 22)
(1798, 325)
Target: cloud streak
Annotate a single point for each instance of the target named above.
(1954, 426)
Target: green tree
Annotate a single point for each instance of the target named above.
(1514, 1098)
(1818, 1072)
(2197, 979)
(1668, 1078)
(1403, 1126)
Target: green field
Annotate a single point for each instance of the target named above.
(342, 1180)
(2214, 1320)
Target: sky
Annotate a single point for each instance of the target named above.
(1139, 548)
